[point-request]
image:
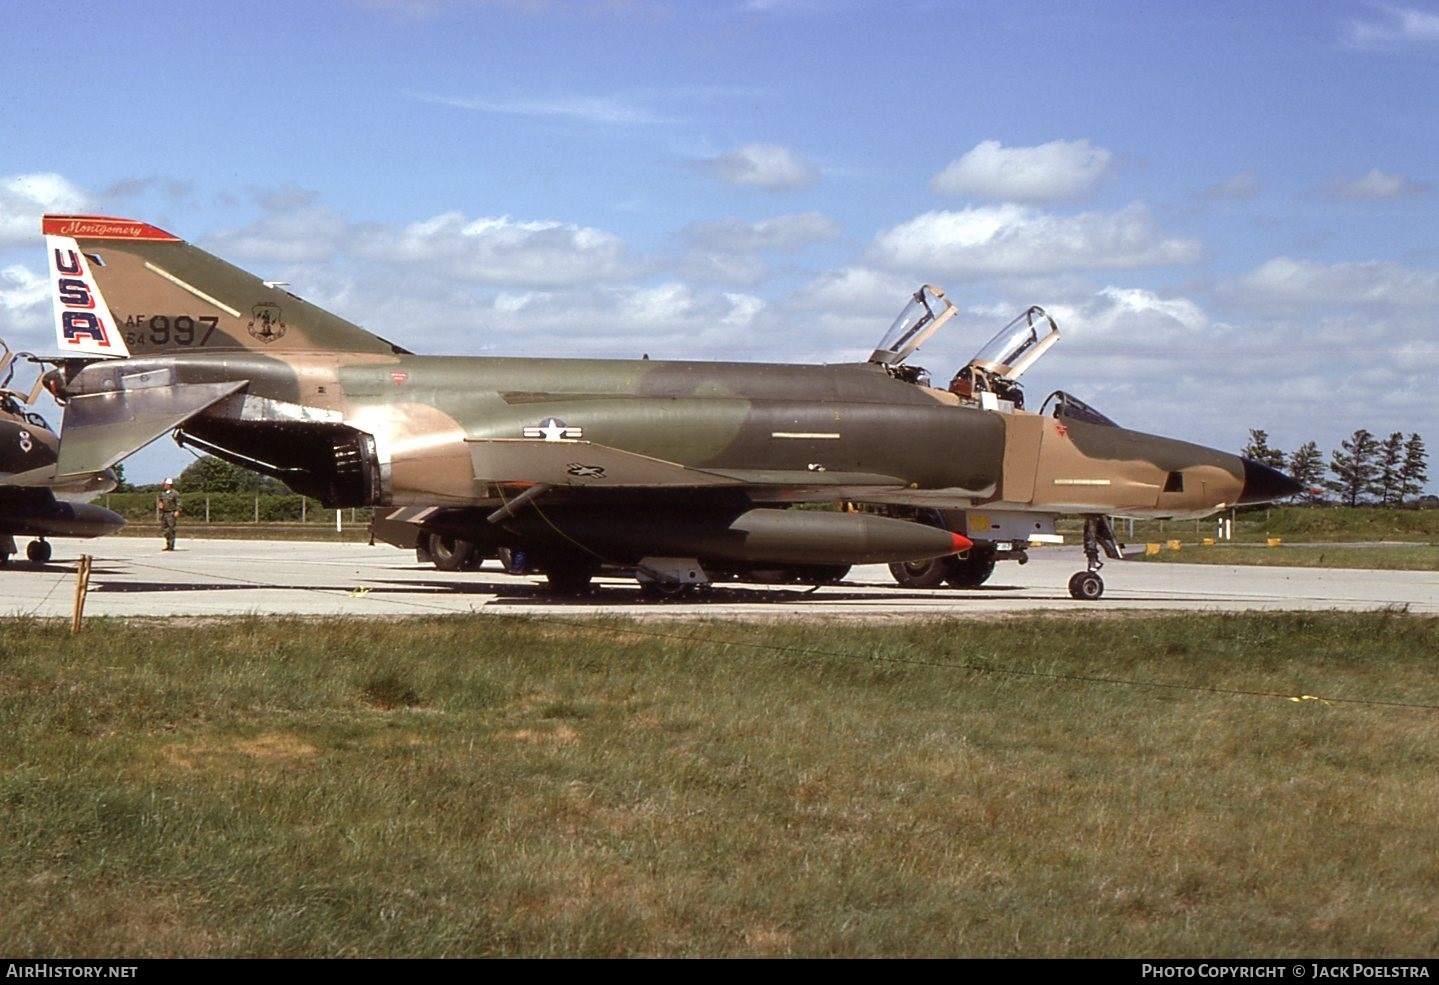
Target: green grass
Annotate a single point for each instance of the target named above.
(1327, 524)
(483, 786)
(1413, 557)
(1306, 537)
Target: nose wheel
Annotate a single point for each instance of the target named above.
(1087, 585)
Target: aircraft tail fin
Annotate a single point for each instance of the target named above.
(163, 295)
(83, 323)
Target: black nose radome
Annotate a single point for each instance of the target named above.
(1263, 484)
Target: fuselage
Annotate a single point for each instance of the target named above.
(664, 466)
(419, 420)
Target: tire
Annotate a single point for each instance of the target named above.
(826, 574)
(970, 572)
(920, 574)
(450, 553)
(38, 551)
(1086, 586)
(666, 590)
(570, 577)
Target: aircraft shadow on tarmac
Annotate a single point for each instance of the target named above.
(604, 596)
(144, 587)
(537, 593)
(534, 593)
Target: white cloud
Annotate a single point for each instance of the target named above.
(1061, 170)
(785, 232)
(1395, 25)
(288, 236)
(870, 292)
(1140, 316)
(841, 315)
(21, 287)
(1007, 240)
(764, 166)
(718, 267)
(25, 305)
(499, 250)
(1284, 281)
(586, 109)
(24, 198)
(670, 320)
(1378, 185)
(724, 251)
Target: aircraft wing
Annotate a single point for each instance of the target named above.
(589, 465)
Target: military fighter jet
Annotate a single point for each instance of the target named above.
(33, 501)
(682, 472)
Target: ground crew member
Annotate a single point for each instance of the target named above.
(167, 505)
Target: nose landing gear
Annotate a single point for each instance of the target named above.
(1087, 585)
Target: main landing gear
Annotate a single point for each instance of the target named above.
(968, 571)
(1087, 585)
(36, 552)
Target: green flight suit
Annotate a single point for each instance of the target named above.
(168, 506)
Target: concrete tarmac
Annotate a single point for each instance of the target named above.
(132, 577)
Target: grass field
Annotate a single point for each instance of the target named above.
(1291, 524)
(1303, 537)
(1384, 557)
(1184, 786)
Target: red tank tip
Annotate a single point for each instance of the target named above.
(961, 543)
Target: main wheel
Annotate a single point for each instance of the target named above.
(920, 574)
(38, 551)
(450, 553)
(823, 574)
(666, 589)
(971, 571)
(570, 577)
(1086, 586)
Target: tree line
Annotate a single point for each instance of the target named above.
(1363, 469)
(211, 475)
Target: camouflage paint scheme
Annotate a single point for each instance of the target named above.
(600, 451)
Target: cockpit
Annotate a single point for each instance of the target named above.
(991, 378)
(13, 403)
(1066, 406)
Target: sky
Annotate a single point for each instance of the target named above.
(1230, 207)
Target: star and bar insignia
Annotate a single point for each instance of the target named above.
(553, 430)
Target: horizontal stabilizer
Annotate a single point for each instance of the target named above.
(102, 428)
(79, 488)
